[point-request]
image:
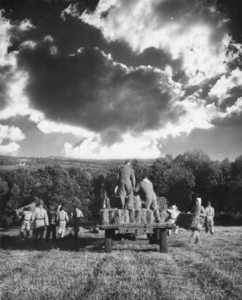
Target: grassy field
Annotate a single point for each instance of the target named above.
(81, 270)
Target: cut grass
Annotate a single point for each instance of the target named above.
(81, 270)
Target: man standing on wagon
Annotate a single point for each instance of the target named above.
(126, 183)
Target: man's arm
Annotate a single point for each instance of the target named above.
(137, 188)
(67, 218)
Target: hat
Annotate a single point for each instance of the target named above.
(41, 202)
(199, 200)
(174, 207)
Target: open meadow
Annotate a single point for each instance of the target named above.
(80, 269)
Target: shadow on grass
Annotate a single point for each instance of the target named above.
(69, 243)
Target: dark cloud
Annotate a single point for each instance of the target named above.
(91, 90)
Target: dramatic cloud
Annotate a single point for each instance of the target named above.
(90, 90)
(119, 76)
(225, 84)
(182, 28)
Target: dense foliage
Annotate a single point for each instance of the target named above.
(178, 179)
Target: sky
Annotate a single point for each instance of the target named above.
(120, 78)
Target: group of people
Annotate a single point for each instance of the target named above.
(204, 216)
(54, 219)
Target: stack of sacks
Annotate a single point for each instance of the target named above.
(189, 221)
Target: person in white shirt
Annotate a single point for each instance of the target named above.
(209, 222)
(26, 215)
(77, 215)
(40, 220)
(62, 219)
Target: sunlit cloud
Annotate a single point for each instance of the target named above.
(198, 35)
(131, 147)
(9, 149)
(225, 84)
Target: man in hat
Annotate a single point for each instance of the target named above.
(62, 219)
(147, 194)
(40, 219)
(77, 215)
(209, 222)
(126, 183)
(26, 221)
(51, 229)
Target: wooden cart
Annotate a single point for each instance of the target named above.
(158, 231)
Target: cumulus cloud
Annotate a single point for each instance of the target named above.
(9, 149)
(183, 28)
(13, 134)
(130, 147)
(225, 84)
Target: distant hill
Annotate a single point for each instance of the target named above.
(14, 162)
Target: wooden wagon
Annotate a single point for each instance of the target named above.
(158, 232)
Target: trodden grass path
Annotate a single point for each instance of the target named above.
(212, 270)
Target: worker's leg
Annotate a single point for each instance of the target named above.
(157, 216)
(41, 233)
(122, 193)
(22, 229)
(47, 238)
(76, 227)
(211, 225)
(27, 229)
(54, 232)
(130, 202)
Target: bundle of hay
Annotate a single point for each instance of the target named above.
(150, 217)
(123, 216)
(190, 221)
(137, 216)
(164, 216)
(161, 201)
(104, 216)
(132, 216)
(143, 216)
(137, 202)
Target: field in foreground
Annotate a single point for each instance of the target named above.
(81, 270)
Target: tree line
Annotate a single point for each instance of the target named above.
(177, 179)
